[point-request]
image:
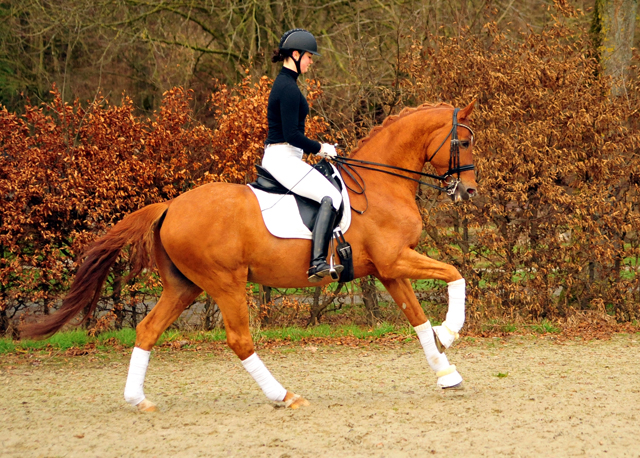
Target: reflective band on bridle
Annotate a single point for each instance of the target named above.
(454, 162)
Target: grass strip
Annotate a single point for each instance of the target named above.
(79, 338)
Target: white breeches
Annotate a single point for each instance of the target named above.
(285, 163)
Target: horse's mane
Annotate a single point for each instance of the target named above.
(393, 118)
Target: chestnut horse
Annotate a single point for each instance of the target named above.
(213, 238)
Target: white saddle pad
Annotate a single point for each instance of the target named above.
(282, 217)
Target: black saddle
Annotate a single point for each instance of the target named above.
(308, 208)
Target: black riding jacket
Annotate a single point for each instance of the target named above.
(287, 112)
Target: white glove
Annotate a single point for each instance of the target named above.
(327, 151)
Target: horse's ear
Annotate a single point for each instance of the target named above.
(466, 112)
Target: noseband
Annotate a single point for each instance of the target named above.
(346, 164)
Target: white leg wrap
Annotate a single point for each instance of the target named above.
(455, 314)
(437, 361)
(448, 331)
(270, 386)
(133, 392)
(447, 374)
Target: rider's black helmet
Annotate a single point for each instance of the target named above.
(298, 40)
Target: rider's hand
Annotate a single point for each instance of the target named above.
(327, 151)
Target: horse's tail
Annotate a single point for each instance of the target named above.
(137, 230)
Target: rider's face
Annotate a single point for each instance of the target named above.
(305, 62)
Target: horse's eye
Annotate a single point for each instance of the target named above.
(465, 143)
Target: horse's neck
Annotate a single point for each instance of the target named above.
(397, 148)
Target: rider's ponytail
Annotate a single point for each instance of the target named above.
(279, 55)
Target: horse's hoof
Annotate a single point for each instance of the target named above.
(147, 406)
(296, 402)
(444, 337)
(459, 386)
(449, 379)
(302, 402)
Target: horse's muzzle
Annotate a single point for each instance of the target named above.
(463, 192)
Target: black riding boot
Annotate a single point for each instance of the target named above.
(320, 238)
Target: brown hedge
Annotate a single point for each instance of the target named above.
(67, 173)
(554, 233)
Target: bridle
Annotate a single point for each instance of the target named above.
(347, 164)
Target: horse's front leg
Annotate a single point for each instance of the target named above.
(402, 293)
(411, 264)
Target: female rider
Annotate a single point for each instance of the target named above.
(286, 144)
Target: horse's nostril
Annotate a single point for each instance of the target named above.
(471, 192)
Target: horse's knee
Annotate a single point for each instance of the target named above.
(453, 274)
(241, 344)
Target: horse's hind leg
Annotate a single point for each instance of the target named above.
(178, 292)
(228, 291)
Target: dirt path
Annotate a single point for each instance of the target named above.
(524, 397)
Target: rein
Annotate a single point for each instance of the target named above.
(347, 165)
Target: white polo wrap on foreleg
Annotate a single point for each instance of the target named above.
(456, 311)
(133, 390)
(438, 361)
(447, 332)
(447, 374)
(270, 386)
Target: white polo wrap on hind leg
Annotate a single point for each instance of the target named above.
(447, 374)
(270, 386)
(133, 391)
(448, 331)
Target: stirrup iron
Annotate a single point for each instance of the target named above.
(332, 270)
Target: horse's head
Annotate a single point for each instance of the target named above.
(454, 159)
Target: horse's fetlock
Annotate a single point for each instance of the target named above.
(146, 338)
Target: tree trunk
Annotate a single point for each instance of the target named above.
(4, 322)
(211, 313)
(320, 307)
(316, 311)
(370, 299)
(116, 297)
(265, 304)
(613, 29)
